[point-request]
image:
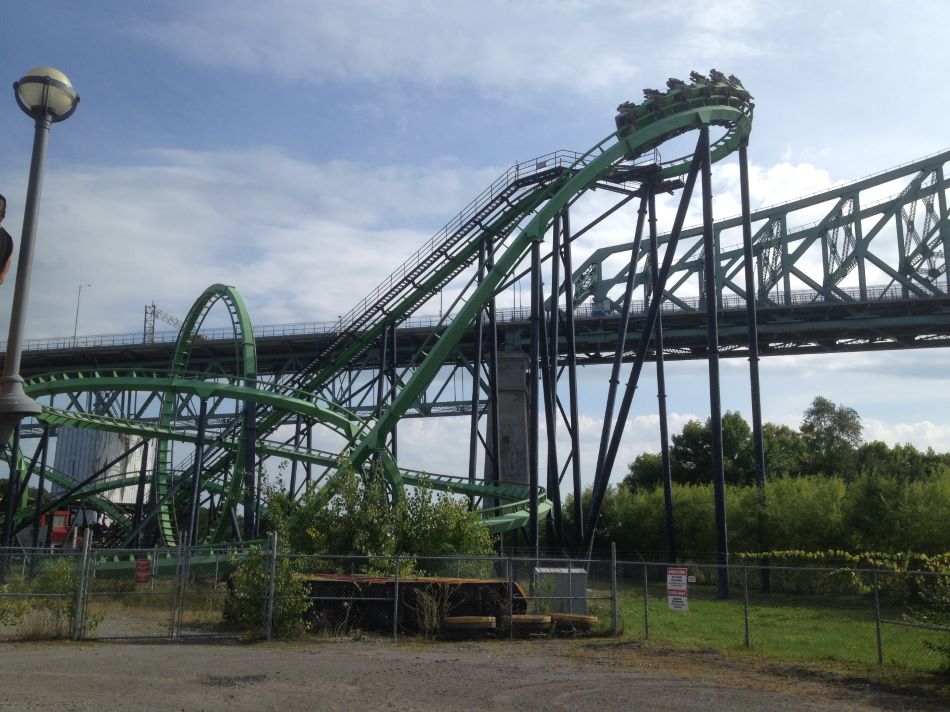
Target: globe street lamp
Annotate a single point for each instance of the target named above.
(47, 95)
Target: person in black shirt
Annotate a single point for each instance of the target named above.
(6, 243)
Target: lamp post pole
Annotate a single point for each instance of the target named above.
(76, 322)
(46, 95)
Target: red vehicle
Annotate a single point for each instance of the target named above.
(61, 519)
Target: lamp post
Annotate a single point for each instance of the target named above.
(46, 95)
(76, 322)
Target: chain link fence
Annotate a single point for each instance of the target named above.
(847, 614)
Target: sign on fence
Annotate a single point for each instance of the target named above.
(142, 570)
(676, 592)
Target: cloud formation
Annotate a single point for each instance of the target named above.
(497, 47)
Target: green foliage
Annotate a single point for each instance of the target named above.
(246, 604)
(832, 434)
(645, 472)
(36, 616)
(856, 496)
(364, 518)
(891, 513)
(786, 453)
(691, 451)
(799, 513)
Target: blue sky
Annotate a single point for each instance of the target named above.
(301, 150)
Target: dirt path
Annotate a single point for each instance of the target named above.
(374, 675)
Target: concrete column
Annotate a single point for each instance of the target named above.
(512, 419)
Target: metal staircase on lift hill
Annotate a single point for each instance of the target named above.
(425, 273)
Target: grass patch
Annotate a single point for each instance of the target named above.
(798, 628)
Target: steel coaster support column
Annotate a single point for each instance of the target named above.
(140, 492)
(383, 362)
(549, 386)
(293, 465)
(44, 445)
(754, 348)
(618, 357)
(549, 380)
(533, 396)
(754, 351)
(569, 336)
(250, 467)
(476, 384)
(661, 386)
(308, 467)
(494, 443)
(712, 344)
(191, 536)
(13, 488)
(602, 475)
(393, 440)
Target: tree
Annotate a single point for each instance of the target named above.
(645, 472)
(832, 434)
(785, 451)
(691, 451)
(690, 454)
(902, 461)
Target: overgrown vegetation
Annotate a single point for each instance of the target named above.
(362, 518)
(825, 490)
(41, 605)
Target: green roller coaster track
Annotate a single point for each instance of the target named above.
(523, 220)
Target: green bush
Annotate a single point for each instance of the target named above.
(36, 616)
(246, 603)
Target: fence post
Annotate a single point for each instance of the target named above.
(80, 585)
(154, 571)
(176, 590)
(511, 596)
(646, 602)
(613, 588)
(745, 604)
(271, 586)
(396, 601)
(185, 572)
(570, 589)
(877, 622)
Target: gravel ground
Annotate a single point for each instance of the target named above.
(372, 675)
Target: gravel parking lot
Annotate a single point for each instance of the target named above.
(371, 675)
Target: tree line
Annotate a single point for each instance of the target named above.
(826, 489)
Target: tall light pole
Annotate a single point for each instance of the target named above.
(76, 323)
(46, 95)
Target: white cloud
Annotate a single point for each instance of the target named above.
(922, 434)
(495, 46)
(301, 242)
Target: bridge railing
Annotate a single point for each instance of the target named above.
(733, 302)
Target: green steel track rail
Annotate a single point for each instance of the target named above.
(512, 514)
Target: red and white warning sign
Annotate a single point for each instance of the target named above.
(676, 592)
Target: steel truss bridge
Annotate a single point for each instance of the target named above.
(857, 267)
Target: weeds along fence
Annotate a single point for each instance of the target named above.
(858, 615)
